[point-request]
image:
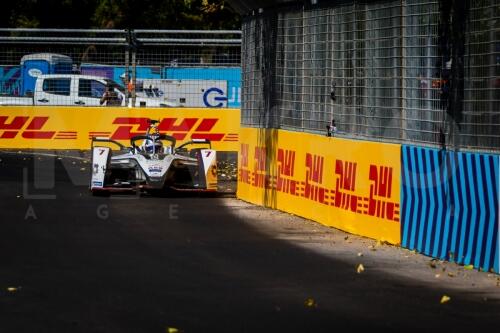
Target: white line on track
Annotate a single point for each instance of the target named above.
(42, 154)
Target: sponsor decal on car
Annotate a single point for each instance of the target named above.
(98, 184)
(155, 169)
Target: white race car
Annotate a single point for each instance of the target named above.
(153, 163)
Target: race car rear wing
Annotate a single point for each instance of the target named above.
(103, 139)
(196, 142)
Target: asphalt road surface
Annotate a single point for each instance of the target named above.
(70, 262)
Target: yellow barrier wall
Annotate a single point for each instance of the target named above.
(71, 127)
(350, 185)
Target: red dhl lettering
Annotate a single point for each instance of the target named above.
(381, 187)
(314, 168)
(287, 185)
(315, 193)
(16, 124)
(314, 173)
(262, 180)
(32, 131)
(382, 181)
(286, 162)
(343, 196)
(244, 155)
(383, 209)
(286, 169)
(345, 173)
(177, 127)
(346, 201)
(372, 206)
(244, 176)
(260, 159)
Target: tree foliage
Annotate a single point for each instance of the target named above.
(119, 14)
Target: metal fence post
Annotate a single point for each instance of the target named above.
(127, 76)
(134, 76)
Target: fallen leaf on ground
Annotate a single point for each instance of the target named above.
(310, 303)
(172, 330)
(360, 268)
(381, 242)
(445, 299)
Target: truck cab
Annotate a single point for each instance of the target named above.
(84, 90)
(60, 89)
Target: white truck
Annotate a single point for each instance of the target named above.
(78, 90)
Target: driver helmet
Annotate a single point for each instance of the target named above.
(151, 146)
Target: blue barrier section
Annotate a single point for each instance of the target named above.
(116, 72)
(450, 205)
(10, 80)
(230, 74)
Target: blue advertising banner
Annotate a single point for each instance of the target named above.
(450, 205)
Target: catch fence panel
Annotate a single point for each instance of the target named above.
(398, 71)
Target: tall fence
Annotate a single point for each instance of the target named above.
(181, 64)
(422, 71)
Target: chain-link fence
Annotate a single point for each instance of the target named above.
(425, 71)
(142, 67)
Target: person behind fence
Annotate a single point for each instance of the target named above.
(331, 128)
(110, 97)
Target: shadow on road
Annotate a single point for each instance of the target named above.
(142, 264)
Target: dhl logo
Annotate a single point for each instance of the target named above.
(343, 195)
(179, 128)
(27, 127)
(258, 177)
(244, 173)
(378, 203)
(30, 128)
(286, 169)
(345, 172)
(244, 154)
(314, 178)
(380, 192)
(261, 179)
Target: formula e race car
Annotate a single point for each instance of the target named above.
(153, 163)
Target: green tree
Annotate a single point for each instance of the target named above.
(161, 14)
(119, 14)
